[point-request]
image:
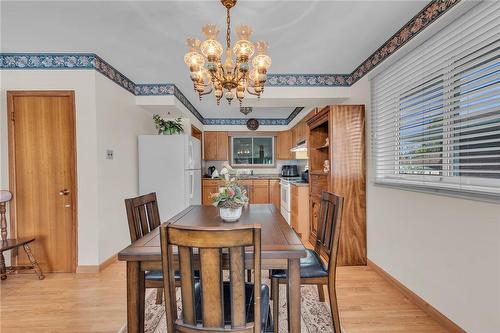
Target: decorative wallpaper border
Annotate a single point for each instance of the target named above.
(431, 12)
(307, 80)
(85, 61)
(243, 121)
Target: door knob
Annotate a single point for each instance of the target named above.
(64, 192)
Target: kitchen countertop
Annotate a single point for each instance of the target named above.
(271, 176)
(299, 184)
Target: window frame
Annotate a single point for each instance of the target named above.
(273, 151)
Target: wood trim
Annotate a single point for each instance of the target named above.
(195, 132)
(417, 300)
(90, 269)
(106, 263)
(253, 133)
(12, 163)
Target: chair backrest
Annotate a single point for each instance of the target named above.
(330, 220)
(217, 249)
(142, 215)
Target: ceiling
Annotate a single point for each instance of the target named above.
(145, 40)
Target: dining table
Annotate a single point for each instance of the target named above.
(281, 248)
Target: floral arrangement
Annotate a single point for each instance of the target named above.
(168, 127)
(232, 195)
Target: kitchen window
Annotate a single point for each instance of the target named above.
(252, 151)
(436, 112)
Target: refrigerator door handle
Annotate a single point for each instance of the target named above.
(190, 154)
(191, 179)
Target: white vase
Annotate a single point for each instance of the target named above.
(230, 214)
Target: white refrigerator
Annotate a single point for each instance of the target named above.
(170, 165)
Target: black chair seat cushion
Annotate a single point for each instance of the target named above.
(310, 267)
(158, 275)
(264, 303)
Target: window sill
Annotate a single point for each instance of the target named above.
(483, 197)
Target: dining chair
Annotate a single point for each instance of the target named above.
(312, 268)
(216, 302)
(143, 216)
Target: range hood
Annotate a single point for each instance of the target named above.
(301, 146)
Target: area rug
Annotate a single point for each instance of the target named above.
(315, 314)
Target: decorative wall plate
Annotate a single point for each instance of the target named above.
(252, 124)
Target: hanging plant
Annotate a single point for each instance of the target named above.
(168, 127)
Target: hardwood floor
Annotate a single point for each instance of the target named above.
(97, 302)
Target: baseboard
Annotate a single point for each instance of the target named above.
(90, 269)
(418, 301)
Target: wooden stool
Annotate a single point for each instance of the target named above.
(10, 244)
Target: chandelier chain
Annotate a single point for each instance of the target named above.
(228, 31)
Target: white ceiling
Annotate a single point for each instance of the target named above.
(146, 40)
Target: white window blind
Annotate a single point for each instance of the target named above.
(436, 112)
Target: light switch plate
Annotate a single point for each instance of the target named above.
(109, 154)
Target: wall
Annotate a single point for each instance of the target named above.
(446, 250)
(119, 122)
(103, 111)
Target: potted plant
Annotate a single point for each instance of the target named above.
(231, 197)
(168, 127)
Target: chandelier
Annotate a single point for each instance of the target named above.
(233, 76)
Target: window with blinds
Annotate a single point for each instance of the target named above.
(436, 112)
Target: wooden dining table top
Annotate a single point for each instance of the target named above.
(278, 240)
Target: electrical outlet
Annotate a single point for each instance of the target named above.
(109, 154)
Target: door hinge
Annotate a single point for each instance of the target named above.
(13, 117)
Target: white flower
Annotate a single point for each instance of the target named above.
(224, 171)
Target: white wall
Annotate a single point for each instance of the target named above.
(119, 122)
(83, 83)
(106, 117)
(446, 250)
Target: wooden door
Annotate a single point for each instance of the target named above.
(275, 193)
(222, 146)
(260, 192)
(284, 145)
(348, 180)
(42, 176)
(210, 146)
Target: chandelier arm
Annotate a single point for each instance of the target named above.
(206, 92)
(252, 93)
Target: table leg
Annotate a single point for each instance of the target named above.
(293, 293)
(33, 262)
(135, 297)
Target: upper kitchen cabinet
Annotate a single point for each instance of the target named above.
(284, 145)
(216, 146)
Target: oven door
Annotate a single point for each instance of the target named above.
(285, 195)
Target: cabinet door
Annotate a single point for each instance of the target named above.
(295, 135)
(210, 146)
(314, 210)
(222, 146)
(284, 145)
(275, 193)
(260, 192)
(207, 190)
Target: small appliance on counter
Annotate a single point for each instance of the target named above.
(211, 170)
(305, 176)
(289, 171)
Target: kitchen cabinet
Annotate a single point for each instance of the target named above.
(344, 127)
(300, 210)
(209, 186)
(275, 193)
(260, 192)
(284, 145)
(216, 146)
